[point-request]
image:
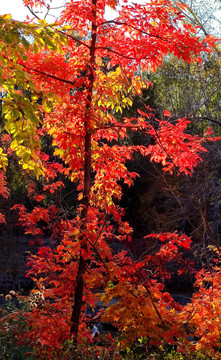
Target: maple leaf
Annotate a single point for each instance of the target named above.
(3, 189)
(2, 219)
(167, 113)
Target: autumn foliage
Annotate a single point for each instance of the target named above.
(74, 80)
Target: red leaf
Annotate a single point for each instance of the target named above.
(167, 113)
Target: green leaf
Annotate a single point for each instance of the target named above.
(25, 43)
(7, 39)
(26, 158)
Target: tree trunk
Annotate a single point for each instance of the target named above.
(79, 288)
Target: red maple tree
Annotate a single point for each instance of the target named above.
(83, 81)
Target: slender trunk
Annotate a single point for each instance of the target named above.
(79, 287)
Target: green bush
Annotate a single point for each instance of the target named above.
(13, 326)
